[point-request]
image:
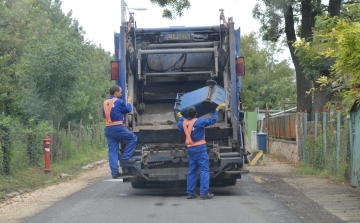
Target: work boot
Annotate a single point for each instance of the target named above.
(192, 196)
(130, 160)
(116, 176)
(206, 196)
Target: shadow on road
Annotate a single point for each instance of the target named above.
(178, 189)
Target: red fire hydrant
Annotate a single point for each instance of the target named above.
(47, 141)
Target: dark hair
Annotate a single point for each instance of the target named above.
(191, 112)
(114, 88)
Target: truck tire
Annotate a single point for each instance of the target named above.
(138, 185)
(228, 182)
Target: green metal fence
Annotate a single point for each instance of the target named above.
(324, 142)
(354, 138)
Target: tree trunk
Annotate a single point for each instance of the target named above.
(307, 19)
(309, 10)
(334, 7)
(304, 101)
(321, 96)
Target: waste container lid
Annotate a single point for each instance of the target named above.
(261, 133)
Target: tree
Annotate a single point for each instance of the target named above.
(267, 80)
(92, 87)
(177, 7)
(336, 39)
(48, 69)
(48, 72)
(63, 77)
(52, 68)
(300, 15)
(10, 51)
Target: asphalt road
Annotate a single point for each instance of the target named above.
(250, 201)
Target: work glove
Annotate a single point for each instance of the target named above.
(128, 99)
(220, 107)
(179, 115)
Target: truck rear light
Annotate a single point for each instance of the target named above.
(240, 66)
(114, 70)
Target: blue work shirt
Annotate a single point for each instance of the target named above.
(198, 132)
(119, 110)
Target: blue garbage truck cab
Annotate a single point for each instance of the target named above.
(166, 70)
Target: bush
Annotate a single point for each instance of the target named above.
(20, 151)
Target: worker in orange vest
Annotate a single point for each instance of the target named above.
(194, 129)
(114, 111)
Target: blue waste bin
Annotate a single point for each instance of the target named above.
(261, 139)
(205, 100)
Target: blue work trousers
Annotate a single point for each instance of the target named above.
(198, 159)
(115, 135)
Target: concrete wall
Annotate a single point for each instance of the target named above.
(289, 149)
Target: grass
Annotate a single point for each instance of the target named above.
(280, 157)
(309, 169)
(31, 178)
(306, 169)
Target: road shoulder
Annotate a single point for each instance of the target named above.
(339, 202)
(33, 202)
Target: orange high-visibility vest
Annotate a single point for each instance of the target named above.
(188, 126)
(108, 105)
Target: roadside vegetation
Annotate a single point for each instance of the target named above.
(53, 82)
(71, 153)
(30, 178)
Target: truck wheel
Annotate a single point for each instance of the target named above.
(137, 185)
(228, 182)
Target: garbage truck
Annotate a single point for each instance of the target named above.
(164, 71)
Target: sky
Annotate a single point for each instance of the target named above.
(100, 19)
